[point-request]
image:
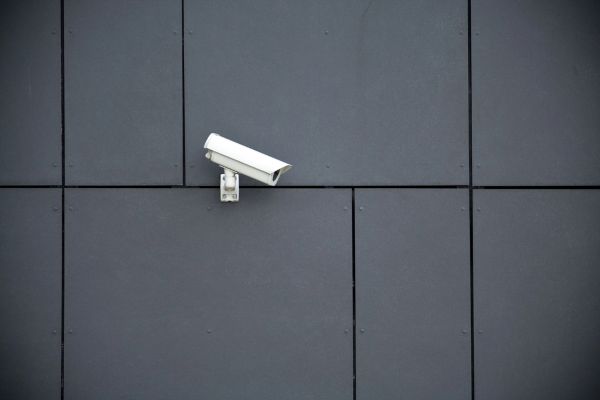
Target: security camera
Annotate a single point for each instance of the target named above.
(236, 159)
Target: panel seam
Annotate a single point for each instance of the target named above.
(353, 298)
(470, 116)
(63, 181)
(183, 160)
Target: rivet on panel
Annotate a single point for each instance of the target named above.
(327, 166)
(209, 331)
(346, 330)
(478, 165)
(70, 165)
(480, 331)
(192, 165)
(345, 208)
(462, 209)
(464, 331)
(326, 32)
(54, 164)
(54, 331)
(478, 209)
(70, 31)
(55, 208)
(190, 32)
(462, 165)
(362, 331)
(361, 208)
(53, 32)
(70, 208)
(70, 331)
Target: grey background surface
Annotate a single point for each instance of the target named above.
(340, 89)
(123, 88)
(30, 142)
(536, 92)
(384, 105)
(194, 298)
(537, 254)
(30, 293)
(412, 294)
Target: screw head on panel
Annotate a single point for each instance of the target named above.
(70, 331)
(361, 208)
(362, 330)
(54, 331)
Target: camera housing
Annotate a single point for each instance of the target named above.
(236, 159)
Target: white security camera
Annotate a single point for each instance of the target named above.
(235, 158)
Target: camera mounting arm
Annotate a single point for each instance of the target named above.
(230, 186)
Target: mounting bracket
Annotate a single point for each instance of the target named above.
(230, 186)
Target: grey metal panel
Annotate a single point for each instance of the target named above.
(30, 132)
(172, 294)
(412, 294)
(536, 92)
(344, 90)
(536, 276)
(30, 293)
(123, 92)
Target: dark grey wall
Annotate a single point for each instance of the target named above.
(438, 236)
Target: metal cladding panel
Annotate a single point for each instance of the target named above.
(30, 132)
(536, 277)
(342, 90)
(30, 293)
(536, 92)
(123, 91)
(412, 294)
(172, 294)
